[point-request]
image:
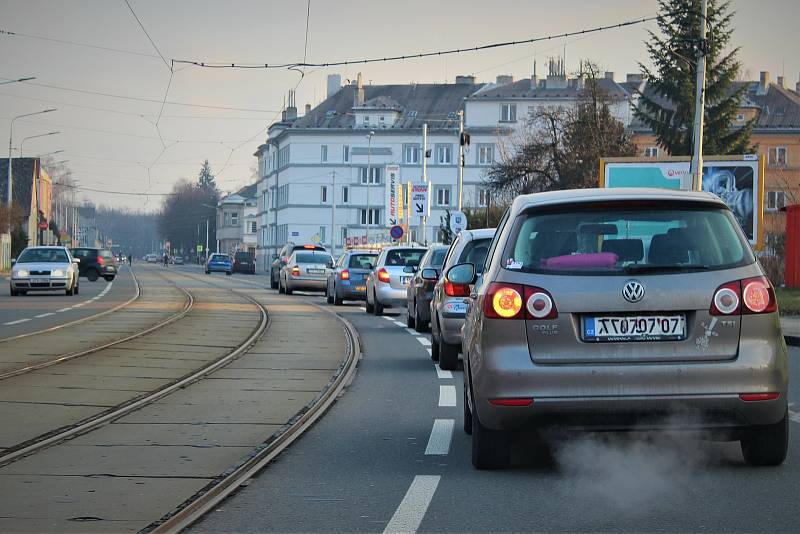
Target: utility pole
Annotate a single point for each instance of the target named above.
(423, 219)
(333, 214)
(369, 179)
(460, 157)
(206, 238)
(699, 102)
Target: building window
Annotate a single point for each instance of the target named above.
(444, 154)
(346, 153)
(508, 113)
(323, 153)
(366, 119)
(323, 194)
(775, 200)
(283, 157)
(253, 227)
(485, 154)
(283, 196)
(345, 194)
(483, 197)
(375, 175)
(234, 219)
(411, 154)
(651, 152)
(373, 216)
(442, 195)
(777, 156)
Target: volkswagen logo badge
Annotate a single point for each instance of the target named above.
(633, 291)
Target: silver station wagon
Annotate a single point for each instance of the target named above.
(622, 309)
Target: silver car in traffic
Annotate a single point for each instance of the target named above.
(305, 270)
(387, 282)
(42, 268)
(449, 304)
(620, 309)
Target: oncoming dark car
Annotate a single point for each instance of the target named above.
(622, 309)
(95, 262)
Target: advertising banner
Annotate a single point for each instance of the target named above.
(420, 205)
(392, 187)
(737, 180)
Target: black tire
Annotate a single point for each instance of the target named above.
(448, 356)
(71, 291)
(208, 272)
(369, 307)
(421, 326)
(287, 290)
(77, 288)
(377, 308)
(411, 322)
(92, 275)
(280, 287)
(228, 273)
(328, 296)
(13, 291)
(491, 449)
(273, 282)
(337, 301)
(434, 343)
(766, 445)
(109, 278)
(467, 412)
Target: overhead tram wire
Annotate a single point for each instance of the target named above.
(148, 35)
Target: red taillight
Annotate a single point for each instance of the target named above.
(344, 275)
(100, 260)
(285, 259)
(456, 290)
(511, 402)
(295, 271)
(512, 301)
(754, 397)
(748, 296)
(539, 304)
(383, 275)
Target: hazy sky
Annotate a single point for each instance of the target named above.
(110, 148)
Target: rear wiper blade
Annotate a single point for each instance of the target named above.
(665, 268)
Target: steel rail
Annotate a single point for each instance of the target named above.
(213, 494)
(187, 306)
(83, 319)
(87, 425)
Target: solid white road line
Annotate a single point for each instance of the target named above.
(16, 322)
(424, 340)
(447, 395)
(441, 373)
(441, 436)
(794, 416)
(409, 514)
(44, 315)
(62, 310)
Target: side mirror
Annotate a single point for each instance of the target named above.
(409, 269)
(13, 261)
(76, 260)
(369, 267)
(430, 274)
(462, 274)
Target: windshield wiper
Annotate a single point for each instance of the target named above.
(665, 268)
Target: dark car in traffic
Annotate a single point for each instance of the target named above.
(420, 288)
(348, 279)
(244, 262)
(95, 262)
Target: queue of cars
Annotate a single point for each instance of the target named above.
(594, 310)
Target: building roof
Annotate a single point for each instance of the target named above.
(248, 191)
(524, 89)
(435, 104)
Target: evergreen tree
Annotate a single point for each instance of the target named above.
(667, 107)
(206, 180)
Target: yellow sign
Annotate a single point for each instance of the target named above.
(399, 201)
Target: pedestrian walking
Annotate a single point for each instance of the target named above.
(130, 260)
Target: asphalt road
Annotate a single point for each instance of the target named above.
(382, 459)
(38, 311)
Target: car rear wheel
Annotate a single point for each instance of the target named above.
(77, 287)
(467, 412)
(13, 291)
(448, 355)
(377, 308)
(421, 326)
(368, 306)
(410, 321)
(434, 341)
(336, 300)
(766, 444)
(71, 291)
(109, 278)
(228, 273)
(328, 296)
(273, 280)
(92, 275)
(208, 272)
(287, 289)
(491, 449)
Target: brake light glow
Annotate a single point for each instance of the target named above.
(295, 271)
(520, 402)
(503, 301)
(100, 260)
(344, 275)
(758, 295)
(309, 247)
(455, 290)
(383, 275)
(754, 397)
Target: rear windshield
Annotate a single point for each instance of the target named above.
(607, 240)
(219, 257)
(243, 256)
(437, 258)
(361, 261)
(43, 255)
(106, 254)
(402, 257)
(313, 257)
(475, 253)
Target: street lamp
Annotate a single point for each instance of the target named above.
(19, 80)
(22, 143)
(49, 154)
(369, 179)
(10, 137)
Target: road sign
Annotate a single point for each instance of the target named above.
(316, 239)
(458, 222)
(199, 248)
(419, 206)
(396, 232)
(392, 182)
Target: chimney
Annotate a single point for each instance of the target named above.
(780, 81)
(610, 75)
(763, 84)
(290, 113)
(358, 99)
(535, 77)
(308, 109)
(334, 84)
(465, 79)
(504, 79)
(633, 77)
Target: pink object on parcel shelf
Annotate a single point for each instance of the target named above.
(581, 261)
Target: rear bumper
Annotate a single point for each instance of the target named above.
(350, 292)
(389, 296)
(219, 269)
(305, 283)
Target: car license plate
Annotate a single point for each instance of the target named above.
(634, 328)
(405, 280)
(315, 271)
(362, 289)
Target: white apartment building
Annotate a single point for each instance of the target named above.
(337, 153)
(237, 221)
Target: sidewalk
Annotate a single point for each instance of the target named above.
(791, 329)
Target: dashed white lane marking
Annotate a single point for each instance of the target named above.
(62, 310)
(18, 321)
(447, 395)
(44, 315)
(78, 305)
(398, 323)
(410, 331)
(442, 373)
(794, 416)
(441, 436)
(362, 308)
(409, 514)
(388, 318)
(425, 341)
